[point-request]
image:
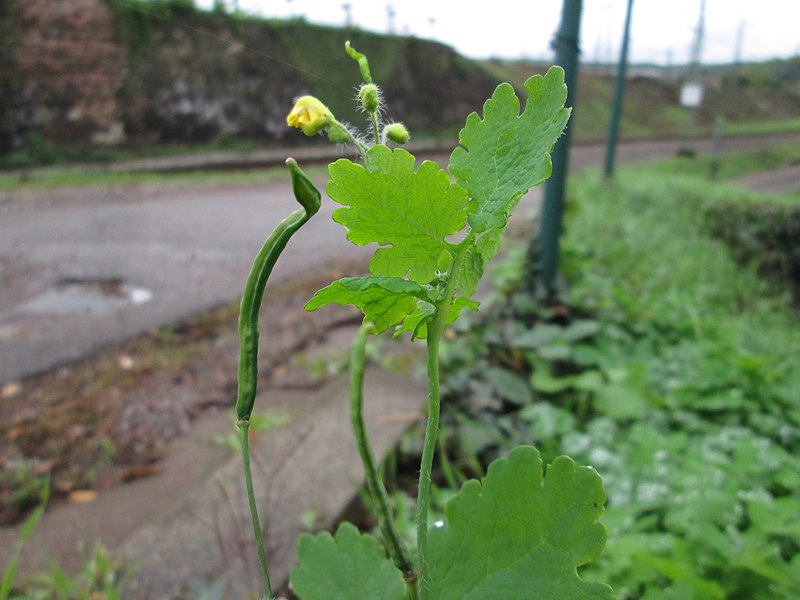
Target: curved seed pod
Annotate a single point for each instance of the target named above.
(309, 198)
(363, 63)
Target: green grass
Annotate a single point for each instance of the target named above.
(654, 248)
(764, 127)
(40, 152)
(55, 177)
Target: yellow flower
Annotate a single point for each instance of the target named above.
(310, 115)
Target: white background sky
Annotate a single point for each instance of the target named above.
(662, 30)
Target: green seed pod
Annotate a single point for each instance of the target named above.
(370, 97)
(305, 192)
(363, 63)
(396, 132)
(265, 260)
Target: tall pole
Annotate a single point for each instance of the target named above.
(737, 51)
(693, 81)
(566, 46)
(619, 92)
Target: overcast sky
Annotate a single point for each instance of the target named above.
(662, 30)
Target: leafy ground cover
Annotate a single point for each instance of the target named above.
(671, 369)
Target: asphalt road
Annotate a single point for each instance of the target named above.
(81, 269)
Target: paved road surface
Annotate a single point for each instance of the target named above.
(83, 268)
(778, 181)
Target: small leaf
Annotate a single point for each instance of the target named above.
(517, 534)
(543, 380)
(538, 336)
(386, 301)
(580, 329)
(408, 212)
(483, 248)
(509, 385)
(351, 565)
(417, 321)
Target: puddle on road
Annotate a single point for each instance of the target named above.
(11, 332)
(80, 296)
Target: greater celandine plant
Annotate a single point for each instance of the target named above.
(517, 533)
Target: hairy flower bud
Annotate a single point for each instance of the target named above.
(370, 97)
(396, 132)
(310, 115)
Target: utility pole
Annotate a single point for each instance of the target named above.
(619, 92)
(348, 15)
(692, 89)
(737, 51)
(567, 49)
(391, 14)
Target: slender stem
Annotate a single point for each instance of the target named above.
(447, 468)
(435, 331)
(375, 129)
(412, 588)
(377, 490)
(244, 430)
(426, 465)
(360, 146)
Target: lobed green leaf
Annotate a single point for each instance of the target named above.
(406, 211)
(519, 534)
(351, 565)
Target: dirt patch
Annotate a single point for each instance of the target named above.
(107, 419)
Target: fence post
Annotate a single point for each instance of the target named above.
(619, 90)
(566, 45)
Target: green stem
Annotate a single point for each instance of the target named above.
(360, 146)
(244, 430)
(447, 468)
(377, 490)
(343, 134)
(375, 129)
(435, 331)
(426, 465)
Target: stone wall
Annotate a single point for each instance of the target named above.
(66, 70)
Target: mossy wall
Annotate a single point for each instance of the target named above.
(61, 72)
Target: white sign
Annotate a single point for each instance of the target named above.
(692, 94)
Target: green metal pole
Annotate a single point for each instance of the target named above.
(566, 45)
(619, 91)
